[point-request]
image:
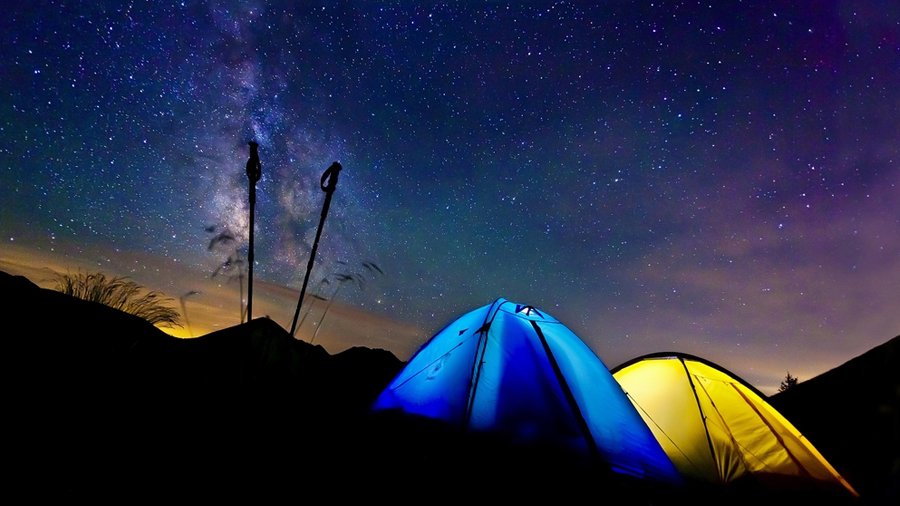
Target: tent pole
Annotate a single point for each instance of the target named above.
(479, 359)
(570, 398)
(476, 371)
(712, 451)
(775, 433)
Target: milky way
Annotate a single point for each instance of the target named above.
(719, 180)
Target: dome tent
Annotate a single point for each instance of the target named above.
(511, 369)
(717, 429)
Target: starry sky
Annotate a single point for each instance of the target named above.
(722, 180)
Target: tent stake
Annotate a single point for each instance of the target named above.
(332, 175)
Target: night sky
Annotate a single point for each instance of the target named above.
(722, 180)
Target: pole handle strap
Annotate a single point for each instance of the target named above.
(332, 175)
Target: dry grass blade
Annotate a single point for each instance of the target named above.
(120, 293)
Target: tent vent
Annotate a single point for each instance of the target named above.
(528, 310)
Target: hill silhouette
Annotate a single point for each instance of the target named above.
(852, 415)
(105, 405)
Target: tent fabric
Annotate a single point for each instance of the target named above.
(716, 428)
(512, 369)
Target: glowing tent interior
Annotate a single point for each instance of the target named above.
(718, 429)
(513, 370)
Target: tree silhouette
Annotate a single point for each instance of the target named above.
(120, 293)
(788, 382)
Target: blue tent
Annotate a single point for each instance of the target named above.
(514, 370)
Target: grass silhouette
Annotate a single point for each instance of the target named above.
(234, 266)
(120, 293)
(340, 279)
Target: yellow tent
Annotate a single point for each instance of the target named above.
(718, 429)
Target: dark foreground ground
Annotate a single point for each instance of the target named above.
(104, 407)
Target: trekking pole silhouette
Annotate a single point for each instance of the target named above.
(254, 171)
(332, 175)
